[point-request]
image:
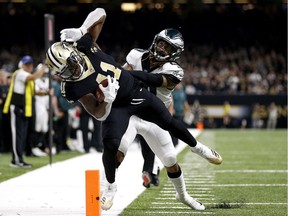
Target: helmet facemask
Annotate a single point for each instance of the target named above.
(66, 61)
(74, 68)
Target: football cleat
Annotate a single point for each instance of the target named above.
(207, 153)
(192, 203)
(146, 179)
(155, 180)
(108, 196)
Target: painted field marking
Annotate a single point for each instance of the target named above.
(250, 171)
(188, 212)
(249, 204)
(173, 198)
(248, 185)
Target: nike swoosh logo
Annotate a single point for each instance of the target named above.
(137, 101)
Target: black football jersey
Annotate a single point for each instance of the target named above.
(99, 66)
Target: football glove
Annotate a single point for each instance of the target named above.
(72, 34)
(110, 92)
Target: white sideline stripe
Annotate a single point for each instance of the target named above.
(60, 189)
(250, 171)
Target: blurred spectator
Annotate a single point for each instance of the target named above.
(227, 120)
(5, 130)
(61, 125)
(91, 132)
(42, 116)
(19, 104)
(272, 116)
(257, 121)
(181, 109)
(210, 123)
(198, 113)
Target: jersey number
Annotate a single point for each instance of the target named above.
(106, 67)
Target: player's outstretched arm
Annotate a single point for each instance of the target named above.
(150, 79)
(92, 24)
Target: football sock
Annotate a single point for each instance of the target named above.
(179, 185)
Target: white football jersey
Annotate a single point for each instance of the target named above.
(134, 59)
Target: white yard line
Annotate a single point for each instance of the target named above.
(247, 185)
(60, 189)
(251, 171)
(237, 204)
(180, 213)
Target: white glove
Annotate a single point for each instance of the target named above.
(110, 92)
(39, 66)
(72, 34)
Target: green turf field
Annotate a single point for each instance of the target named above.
(6, 172)
(251, 181)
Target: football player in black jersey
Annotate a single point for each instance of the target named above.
(82, 66)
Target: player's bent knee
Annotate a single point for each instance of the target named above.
(169, 160)
(124, 145)
(120, 156)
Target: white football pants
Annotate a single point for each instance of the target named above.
(158, 140)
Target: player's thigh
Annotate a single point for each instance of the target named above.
(114, 127)
(160, 143)
(129, 134)
(153, 110)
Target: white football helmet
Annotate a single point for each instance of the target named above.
(174, 38)
(65, 61)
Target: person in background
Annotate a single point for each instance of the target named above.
(5, 132)
(256, 116)
(272, 116)
(180, 109)
(42, 116)
(19, 104)
(91, 131)
(61, 125)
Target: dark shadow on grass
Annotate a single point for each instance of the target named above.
(226, 205)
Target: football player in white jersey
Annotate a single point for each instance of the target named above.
(160, 59)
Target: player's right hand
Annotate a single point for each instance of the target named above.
(71, 34)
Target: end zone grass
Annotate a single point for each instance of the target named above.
(252, 179)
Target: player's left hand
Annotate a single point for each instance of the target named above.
(110, 92)
(71, 34)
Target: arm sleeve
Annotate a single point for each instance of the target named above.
(149, 79)
(92, 17)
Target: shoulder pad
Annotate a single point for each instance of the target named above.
(172, 68)
(134, 56)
